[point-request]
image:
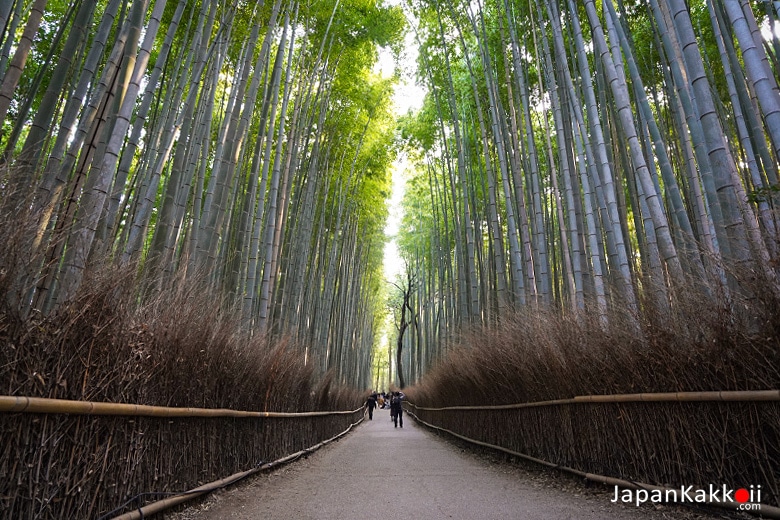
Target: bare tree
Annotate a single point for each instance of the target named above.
(405, 317)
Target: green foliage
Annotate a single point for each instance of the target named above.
(763, 194)
(421, 236)
(418, 131)
(39, 65)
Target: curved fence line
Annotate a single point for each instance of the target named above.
(686, 437)
(80, 459)
(725, 396)
(20, 404)
(162, 505)
(766, 511)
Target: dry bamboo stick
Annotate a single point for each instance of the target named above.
(755, 395)
(18, 404)
(731, 396)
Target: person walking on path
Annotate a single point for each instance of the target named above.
(396, 410)
(371, 404)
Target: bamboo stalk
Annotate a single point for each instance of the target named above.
(17, 404)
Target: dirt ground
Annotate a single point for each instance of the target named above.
(382, 472)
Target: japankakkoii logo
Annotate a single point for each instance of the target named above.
(746, 499)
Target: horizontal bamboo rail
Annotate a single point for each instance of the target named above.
(21, 404)
(766, 510)
(17, 404)
(728, 396)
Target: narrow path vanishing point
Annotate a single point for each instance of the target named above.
(380, 472)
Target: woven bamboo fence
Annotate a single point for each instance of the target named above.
(70, 459)
(672, 439)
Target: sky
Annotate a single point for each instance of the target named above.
(408, 96)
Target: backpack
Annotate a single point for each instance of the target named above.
(396, 402)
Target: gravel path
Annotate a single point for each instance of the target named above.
(381, 472)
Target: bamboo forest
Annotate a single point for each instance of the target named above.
(195, 196)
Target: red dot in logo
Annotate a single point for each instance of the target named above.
(741, 495)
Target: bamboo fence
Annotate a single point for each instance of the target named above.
(74, 459)
(666, 439)
(167, 503)
(70, 459)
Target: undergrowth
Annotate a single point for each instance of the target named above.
(175, 349)
(538, 355)
(173, 345)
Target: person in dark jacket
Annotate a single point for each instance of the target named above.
(396, 410)
(371, 404)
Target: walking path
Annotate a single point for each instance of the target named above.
(380, 472)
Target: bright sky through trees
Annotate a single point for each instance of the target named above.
(408, 96)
